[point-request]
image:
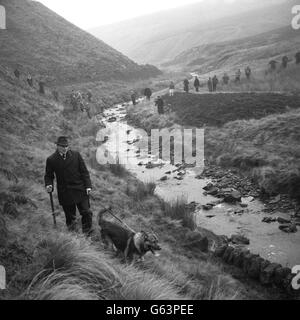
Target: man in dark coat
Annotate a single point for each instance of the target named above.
(148, 93)
(73, 184)
(159, 102)
(197, 84)
(186, 85)
(215, 82)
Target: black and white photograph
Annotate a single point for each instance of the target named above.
(150, 152)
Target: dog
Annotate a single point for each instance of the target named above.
(129, 243)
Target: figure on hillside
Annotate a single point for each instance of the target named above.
(89, 96)
(297, 57)
(284, 62)
(225, 78)
(248, 73)
(73, 184)
(29, 80)
(171, 89)
(159, 102)
(148, 93)
(186, 85)
(238, 76)
(210, 85)
(17, 73)
(215, 82)
(273, 64)
(133, 98)
(41, 87)
(55, 95)
(73, 100)
(197, 84)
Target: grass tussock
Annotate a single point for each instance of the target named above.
(141, 190)
(178, 210)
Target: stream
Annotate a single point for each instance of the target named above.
(265, 238)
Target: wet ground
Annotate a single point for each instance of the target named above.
(223, 219)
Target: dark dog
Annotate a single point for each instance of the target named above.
(129, 243)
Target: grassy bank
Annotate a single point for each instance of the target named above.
(47, 263)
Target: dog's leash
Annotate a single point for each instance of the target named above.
(110, 211)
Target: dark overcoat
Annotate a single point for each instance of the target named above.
(72, 177)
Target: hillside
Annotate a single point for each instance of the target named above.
(52, 264)
(255, 50)
(41, 42)
(160, 37)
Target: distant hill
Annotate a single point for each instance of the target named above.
(254, 50)
(160, 37)
(42, 42)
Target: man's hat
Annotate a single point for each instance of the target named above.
(62, 141)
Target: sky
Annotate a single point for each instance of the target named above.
(93, 13)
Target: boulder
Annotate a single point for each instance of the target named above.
(254, 267)
(237, 258)
(213, 191)
(239, 239)
(164, 178)
(220, 250)
(232, 197)
(207, 206)
(208, 187)
(227, 253)
(267, 274)
(194, 240)
(280, 275)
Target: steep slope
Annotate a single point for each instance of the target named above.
(40, 41)
(159, 37)
(257, 49)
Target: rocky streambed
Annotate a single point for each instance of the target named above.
(223, 202)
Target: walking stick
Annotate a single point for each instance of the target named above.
(52, 207)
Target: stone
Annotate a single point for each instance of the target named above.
(227, 253)
(244, 205)
(164, 178)
(232, 197)
(168, 172)
(194, 240)
(237, 258)
(207, 206)
(208, 187)
(220, 250)
(288, 228)
(282, 220)
(280, 275)
(267, 274)
(213, 191)
(247, 259)
(254, 268)
(239, 239)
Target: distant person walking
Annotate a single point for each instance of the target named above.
(133, 98)
(284, 62)
(186, 85)
(171, 89)
(159, 102)
(238, 76)
(210, 85)
(215, 82)
(73, 184)
(297, 57)
(196, 84)
(273, 64)
(225, 78)
(148, 93)
(17, 73)
(248, 73)
(42, 87)
(29, 80)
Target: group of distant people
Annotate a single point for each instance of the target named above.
(81, 100)
(41, 84)
(284, 62)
